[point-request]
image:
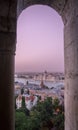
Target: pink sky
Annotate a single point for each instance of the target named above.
(39, 40)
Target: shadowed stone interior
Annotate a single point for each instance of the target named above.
(9, 11)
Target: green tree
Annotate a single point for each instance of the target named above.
(15, 102)
(23, 102)
(34, 120)
(42, 117)
(59, 121)
(20, 121)
(58, 116)
(55, 103)
(43, 113)
(24, 109)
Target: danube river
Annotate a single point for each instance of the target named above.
(49, 84)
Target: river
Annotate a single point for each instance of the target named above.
(49, 84)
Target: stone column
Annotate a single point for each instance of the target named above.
(6, 84)
(70, 17)
(7, 52)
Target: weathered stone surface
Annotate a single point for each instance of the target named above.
(7, 24)
(70, 35)
(70, 11)
(19, 7)
(8, 15)
(9, 10)
(71, 107)
(58, 5)
(6, 91)
(8, 41)
(71, 61)
(70, 18)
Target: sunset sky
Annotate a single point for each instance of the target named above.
(40, 44)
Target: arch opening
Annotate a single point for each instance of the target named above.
(39, 27)
(39, 38)
(68, 9)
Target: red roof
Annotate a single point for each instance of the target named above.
(30, 98)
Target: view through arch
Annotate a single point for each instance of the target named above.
(42, 23)
(53, 51)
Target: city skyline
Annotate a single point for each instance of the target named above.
(39, 40)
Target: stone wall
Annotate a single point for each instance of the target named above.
(9, 11)
(70, 17)
(8, 19)
(68, 9)
(8, 16)
(58, 5)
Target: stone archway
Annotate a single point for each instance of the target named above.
(58, 5)
(9, 10)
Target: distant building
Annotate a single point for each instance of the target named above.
(30, 101)
(19, 101)
(26, 91)
(17, 90)
(42, 84)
